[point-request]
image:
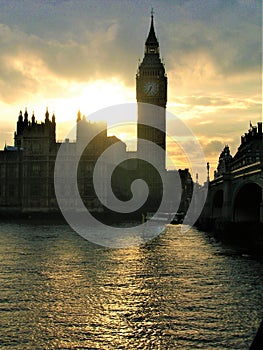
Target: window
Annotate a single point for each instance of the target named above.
(11, 190)
(35, 190)
(36, 148)
(36, 169)
(12, 170)
(51, 190)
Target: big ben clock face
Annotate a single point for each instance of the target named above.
(150, 88)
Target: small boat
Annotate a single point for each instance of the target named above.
(155, 223)
(162, 218)
(178, 218)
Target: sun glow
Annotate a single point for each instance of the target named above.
(70, 98)
(91, 98)
(88, 99)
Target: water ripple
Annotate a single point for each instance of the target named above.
(176, 292)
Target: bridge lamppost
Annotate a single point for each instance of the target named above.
(208, 168)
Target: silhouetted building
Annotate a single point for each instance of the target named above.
(187, 190)
(151, 88)
(251, 148)
(151, 95)
(249, 152)
(27, 168)
(224, 162)
(235, 195)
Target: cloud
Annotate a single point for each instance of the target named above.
(82, 39)
(226, 32)
(213, 148)
(30, 64)
(212, 51)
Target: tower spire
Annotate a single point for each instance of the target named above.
(151, 44)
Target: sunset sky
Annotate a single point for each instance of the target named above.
(71, 55)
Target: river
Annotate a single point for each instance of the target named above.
(179, 291)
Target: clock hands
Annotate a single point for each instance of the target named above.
(150, 88)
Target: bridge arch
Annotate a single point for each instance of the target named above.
(217, 203)
(247, 201)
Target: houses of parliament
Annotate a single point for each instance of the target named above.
(27, 167)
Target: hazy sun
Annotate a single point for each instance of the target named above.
(89, 98)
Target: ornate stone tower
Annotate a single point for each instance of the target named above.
(151, 88)
(151, 94)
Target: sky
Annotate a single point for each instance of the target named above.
(69, 55)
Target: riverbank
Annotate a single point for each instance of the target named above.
(56, 217)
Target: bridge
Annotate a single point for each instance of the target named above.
(235, 195)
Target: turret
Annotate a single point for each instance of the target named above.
(25, 118)
(151, 44)
(254, 133)
(53, 119)
(20, 124)
(224, 162)
(78, 116)
(47, 116)
(260, 129)
(20, 117)
(33, 119)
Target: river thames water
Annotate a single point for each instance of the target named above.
(179, 291)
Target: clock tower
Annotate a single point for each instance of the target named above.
(151, 88)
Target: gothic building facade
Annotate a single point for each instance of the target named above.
(234, 202)
(151, 95)
(249, 152)
(151, 88)
(27, 168)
